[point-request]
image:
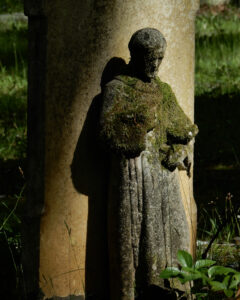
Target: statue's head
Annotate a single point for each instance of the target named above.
(147, 47)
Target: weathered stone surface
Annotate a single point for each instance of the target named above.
(146, 132)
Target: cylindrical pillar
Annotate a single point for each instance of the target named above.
(70, 44)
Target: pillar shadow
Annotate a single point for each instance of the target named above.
(89, 168)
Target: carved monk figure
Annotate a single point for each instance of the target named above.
(147, 135)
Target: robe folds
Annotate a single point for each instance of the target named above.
(147, 223)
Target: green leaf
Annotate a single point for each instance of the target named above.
(169, 272)
(203, 263)
(217, 286)
(237, 276)
(219, 270)
(201, 295)
(194, 274)
(184, 258)
(185, 275)
(185, 278)
(226, 280)
(235, 281)
(228, 293)
(189, 269)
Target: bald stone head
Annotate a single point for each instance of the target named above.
(147, 47)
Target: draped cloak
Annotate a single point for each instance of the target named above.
(147, 223)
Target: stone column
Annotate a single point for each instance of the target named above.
(70, 42)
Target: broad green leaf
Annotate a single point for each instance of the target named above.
(235, 281)
(226, 280)
(217, 286)
(185, 258)
(228, 293)
(169, 272)
(219, 270)
(203, 263)
(237, 276)
(190, 272)
(185, 278)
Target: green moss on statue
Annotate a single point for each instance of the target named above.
(131, 115)
(136, 108)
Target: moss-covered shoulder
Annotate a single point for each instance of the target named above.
(180, 129)
(128, 114)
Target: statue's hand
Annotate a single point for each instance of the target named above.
(193, 131)
(177, 157)
(185, 165)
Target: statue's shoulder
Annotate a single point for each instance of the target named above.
(166, 89)
(119, 83)
(127, 80)
(112, 88)
(163, 85)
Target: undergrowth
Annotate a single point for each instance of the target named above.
(13, 137)
(13, 90)
(217, 54)
(10, 6)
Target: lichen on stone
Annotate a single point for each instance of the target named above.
(132, 108)
(128, 115)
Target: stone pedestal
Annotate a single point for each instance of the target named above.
(70, 42)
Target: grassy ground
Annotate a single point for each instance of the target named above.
(13, 134)
(218, 52)
(13, 90)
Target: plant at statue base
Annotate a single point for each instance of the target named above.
(208, 278)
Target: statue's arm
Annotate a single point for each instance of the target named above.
(180, 129)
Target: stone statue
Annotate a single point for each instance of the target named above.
(147, 135)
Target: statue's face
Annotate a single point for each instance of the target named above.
(147, 63)
(152, 61)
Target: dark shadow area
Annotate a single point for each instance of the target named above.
(11, 184)
(33, 207)
(90, 177)
(154, 292)
(9, 278)
(217, 158)
(11, 176)
(13, 50)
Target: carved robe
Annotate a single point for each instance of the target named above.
(147, 224)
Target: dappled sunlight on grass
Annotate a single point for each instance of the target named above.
(13, 91)
(217, 55)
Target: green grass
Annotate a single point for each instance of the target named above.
(227, 219)
(217, 54)
(13, 90)
(13, 137)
